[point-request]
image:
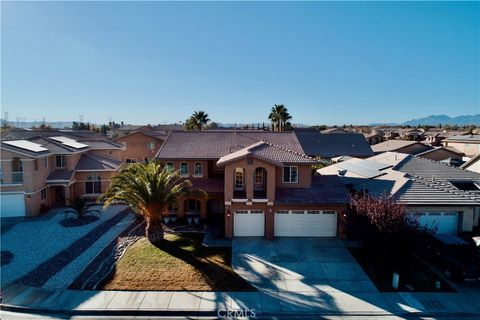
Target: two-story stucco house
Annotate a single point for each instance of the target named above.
(42, 171)
(259, 183)
(467, 144)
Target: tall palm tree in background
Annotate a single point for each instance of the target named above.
(148, 189)
(279, 117)
(201, 119)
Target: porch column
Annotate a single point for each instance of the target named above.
(203, 209)
(228, 222)
(181, 208)
(67, 195)
(269, 223)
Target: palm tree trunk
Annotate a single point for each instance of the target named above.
(154, 231)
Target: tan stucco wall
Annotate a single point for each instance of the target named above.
(466, 214)
(304, 178)
(249, 170)
(470, 149)
(137, 147)
(475, 167)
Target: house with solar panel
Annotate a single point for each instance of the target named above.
(259, 184)
(439, 194)
(52, 169)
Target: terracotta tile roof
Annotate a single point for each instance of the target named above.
(324, 190)
(60, 175)
(208, 185)
(268, 152)
(91, 161)
(213, 144)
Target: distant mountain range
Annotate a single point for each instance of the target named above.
(435, 120)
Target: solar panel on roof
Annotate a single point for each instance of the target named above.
(360, 170)
(26, 145)
(69, 142)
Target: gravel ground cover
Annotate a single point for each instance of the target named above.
(32, 242)
(101, 266)
(63, 278)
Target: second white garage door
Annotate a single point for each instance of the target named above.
(12, 205)
(249, 223)
(300, 223)
(446, 222)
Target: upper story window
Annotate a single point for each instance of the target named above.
(60, 161)
(169, 166)
(239, 179)
(151, 145)
(35, 164)
(46, 162)
(198, 169)
(93, 185)
(43, 194)
(184, 168)
(130, 160)
(290, 174)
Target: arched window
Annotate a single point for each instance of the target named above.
(198, 169)
(93, 185)
(239, 181)
(169, 166)
(184, 168)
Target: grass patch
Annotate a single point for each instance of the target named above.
(180, 263)
(413, 272)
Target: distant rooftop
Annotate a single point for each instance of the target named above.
(331, 145)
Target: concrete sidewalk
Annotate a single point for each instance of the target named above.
(41, 301)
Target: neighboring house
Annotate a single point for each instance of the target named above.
(402, 146)
(440, 195)
(468, 144)
(128, 129)
(327, 146)
(412, 134)
(139, 145)
(473, 164)
(442, 153)
(259, 184)
(374, 137)
(40, 172)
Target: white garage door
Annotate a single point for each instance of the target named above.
(12, 205)
(300, 223)
(446, 222)
(249, 223)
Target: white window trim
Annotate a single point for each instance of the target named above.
(283, 174)
(242, 188)
(184, 174)
(201, 169)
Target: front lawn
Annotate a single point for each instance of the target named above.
(180, 263)
(413, 273)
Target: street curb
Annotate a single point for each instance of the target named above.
(179, 313)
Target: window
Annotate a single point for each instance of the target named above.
(329, 212)
(184, 168)
(169, 166)
(290, 174)
(60, 161)
(43, 194)
(198, 169)
(35, 164)
(130, 160)
(110, 152)
(239, 182)
(298, 212)
(93, 185)
(193, 205)
(151, 145)
(46, 162)
(258, 176)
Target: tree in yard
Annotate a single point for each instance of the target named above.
(148, 189)
(383, 222)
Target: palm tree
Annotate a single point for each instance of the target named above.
(274, 116)
(148, 189)
(284, 117)
(201, 119)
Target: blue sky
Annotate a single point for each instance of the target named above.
(157, 62)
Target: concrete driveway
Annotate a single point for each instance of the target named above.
(299, 265)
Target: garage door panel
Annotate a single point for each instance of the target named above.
(311, 223)
(249, 223)
(446, 222)
(12, 205)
